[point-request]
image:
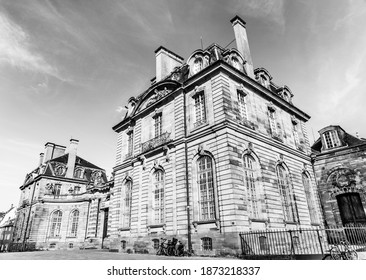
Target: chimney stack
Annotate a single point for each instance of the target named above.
(41, 156)
(242, 43)
(166, 61)
(72, 158)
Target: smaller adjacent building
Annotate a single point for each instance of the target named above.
(6, 229)
(339, 161)
(64, 203)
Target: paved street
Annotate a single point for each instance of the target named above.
(86, 255)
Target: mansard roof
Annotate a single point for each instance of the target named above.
(346, 138)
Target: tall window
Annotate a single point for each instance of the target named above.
(130, 143)
(331, 139)
(296, 134)
(249, 182)
(78, 173)
(309, 197)
(74, 222)
(242, 105)
(159, 197)
(206, 189)
(56, 224)
(128, 204)
(200, 111)
(158, 125)
(272, 121)
(287, 198)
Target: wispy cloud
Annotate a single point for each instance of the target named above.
(269, 10)
(16, 49)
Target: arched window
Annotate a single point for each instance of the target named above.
(74, 222)
(206, 189)
(197, 66)
(309, 197)
(56, 224)
(250, 185)
(78, 173)
(128, 204)
(158, 191)
(287, 198)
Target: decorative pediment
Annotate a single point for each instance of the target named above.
(156, 93)
(285, 93)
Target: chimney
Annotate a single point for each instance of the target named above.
(242, 43)
(166, 61)
(72, 158)
(41, 156)
(53, 151)
(48, 153)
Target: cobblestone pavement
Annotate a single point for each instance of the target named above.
(87, 255)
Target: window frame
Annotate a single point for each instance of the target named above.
(242, 104)
(331, 139)
(286, 194)
(127, 204)
(199, 104)
(158, 193)
(206, 189)
(55, 224)
(251, 186)
(158, 125)
(206, 243)
(309, 197)
(74, 223)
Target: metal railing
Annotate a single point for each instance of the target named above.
(308, 241)
(155, 142)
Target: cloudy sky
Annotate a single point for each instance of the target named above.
(67, 67)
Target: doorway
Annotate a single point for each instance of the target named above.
(351, 209)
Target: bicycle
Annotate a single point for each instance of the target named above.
(341, 251)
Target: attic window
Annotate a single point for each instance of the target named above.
(331, 139)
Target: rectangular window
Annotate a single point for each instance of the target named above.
(309, 198)
(242, 106)
(158, 125)
(158, 193)
(200, 110)
(76, 190)
(130, 144)
(331, 139)
(206, 244)
(272, 122)
(206, 187)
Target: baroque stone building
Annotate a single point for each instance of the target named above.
(339, 165)
(64, 203)
(212, 148)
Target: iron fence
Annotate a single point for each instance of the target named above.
(302, 241)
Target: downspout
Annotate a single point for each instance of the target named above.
(312, 157)
(96, 226)
(187, 173)
(29, 214)
(87, 219)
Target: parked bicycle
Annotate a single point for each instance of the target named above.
(341, 251)
(172, 248)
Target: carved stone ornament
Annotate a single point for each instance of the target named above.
(143, 162)
(250, 147)
(157, 96)
(201, 149)
(166, 152)
(271, 107)
(242, 89)
(156, 164)
(294, 120)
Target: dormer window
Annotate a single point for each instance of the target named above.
(331, 139)
(264, 81)
(197, 66)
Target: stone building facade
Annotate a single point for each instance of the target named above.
(6, 229)
(64, 203)
(212, 148)
(339, 165)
